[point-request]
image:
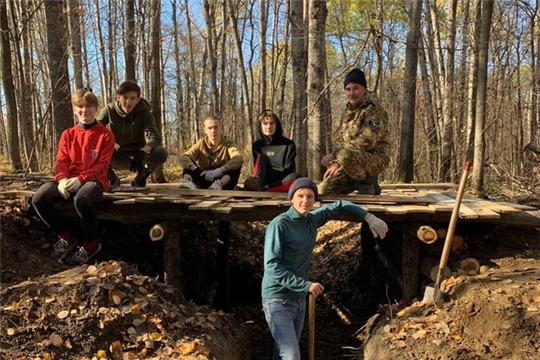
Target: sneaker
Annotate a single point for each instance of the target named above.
(253, 184)
(62, 248)
(81, 256)
(186, 184)
(216, 185)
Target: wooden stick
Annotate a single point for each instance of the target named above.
(311, 327)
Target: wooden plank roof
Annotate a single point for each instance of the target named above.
(397, 203)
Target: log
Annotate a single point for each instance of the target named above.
(159, 231)
(429, 266)
(426, 234)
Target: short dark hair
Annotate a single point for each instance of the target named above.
(128, 86)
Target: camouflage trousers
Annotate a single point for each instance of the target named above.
(341, 183)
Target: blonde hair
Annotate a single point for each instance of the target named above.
(86, 95)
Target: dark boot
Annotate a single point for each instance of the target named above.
(253, 184)
(114, 180)
(369, 186)
(140, 179)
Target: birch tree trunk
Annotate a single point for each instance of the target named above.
(405, 165)
(479, 136)
(315, 86)
(210, 20)
(263, 24)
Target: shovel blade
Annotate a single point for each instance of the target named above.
(431, 298)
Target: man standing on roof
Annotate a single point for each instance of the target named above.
(361, 148)
(131, 121)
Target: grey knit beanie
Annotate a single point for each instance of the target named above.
(303, 182)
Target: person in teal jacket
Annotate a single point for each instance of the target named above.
(288, 245)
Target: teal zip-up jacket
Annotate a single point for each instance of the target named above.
(134, 130)
(288, 245)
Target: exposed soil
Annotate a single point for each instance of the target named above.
(118, 307)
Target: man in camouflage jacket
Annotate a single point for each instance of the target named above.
(361, 148)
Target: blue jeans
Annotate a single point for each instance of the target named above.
(285, 318)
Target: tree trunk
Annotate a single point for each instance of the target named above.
(299, 66)
(75, 32)
(479, 137)
(57, 50)
(9, 87)
(315, 86)
(263, 24)
(405, 166)
(130, 42)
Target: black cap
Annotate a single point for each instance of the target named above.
(355, 76)
(303, 182)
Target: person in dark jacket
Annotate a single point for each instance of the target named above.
(131, 121)
(274, 157)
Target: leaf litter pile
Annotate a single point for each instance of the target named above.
(111, 308)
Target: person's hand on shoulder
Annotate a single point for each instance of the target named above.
(376, 225)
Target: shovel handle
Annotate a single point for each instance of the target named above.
(453, 221)
(311, 327)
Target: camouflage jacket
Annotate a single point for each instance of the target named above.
(363, 130)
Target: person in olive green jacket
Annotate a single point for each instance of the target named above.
(137, 138)
(214, 162)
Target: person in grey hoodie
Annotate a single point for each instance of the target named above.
(137, 138)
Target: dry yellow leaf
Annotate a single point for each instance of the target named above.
(186, 348)
(419, 334)
(101, 353)
(401, 313)
(63, 314)
(433, 318)
(91, 270)
(135, 309)
(46, 356)
(155, 336)
(115, 296)
(56, 340)
(11, 331)
(536, 298)
(401, 344)
(143, 290)
(455, 335)
(129, 356)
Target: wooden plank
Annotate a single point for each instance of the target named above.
(241, 206)
(124, 201)
(395, 209)
(420, 186)
(223, 209)
(205, 205)
(498, 207)
(374, 208)
(147, 200)
(519, 206)
(483, 212)
(267, 202)
(417, 209)
(16, 193)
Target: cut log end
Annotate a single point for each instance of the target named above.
(426, 234)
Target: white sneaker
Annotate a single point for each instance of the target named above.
(186, 184)
(216, 185)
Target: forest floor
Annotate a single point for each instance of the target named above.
(117, 307)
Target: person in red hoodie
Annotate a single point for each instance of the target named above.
(80, 175)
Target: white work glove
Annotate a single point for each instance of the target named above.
(62, 188)
(212, 174)
(73, 184)
(376, 225)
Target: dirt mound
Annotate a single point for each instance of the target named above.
(494, 315)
